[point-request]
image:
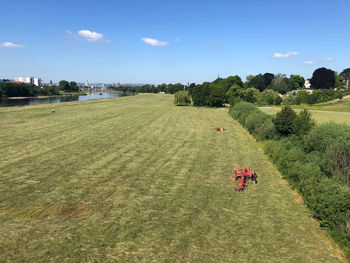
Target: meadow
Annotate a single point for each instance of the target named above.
(137, 179)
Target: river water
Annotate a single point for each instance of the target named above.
(56, 99)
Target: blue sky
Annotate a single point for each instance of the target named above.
(171, 40)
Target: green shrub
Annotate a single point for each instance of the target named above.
(255, 120)
(303, 123)
(182, 98)
(266, 130)
(269, 97)
(284, 121)
(328, 199)
(331, 142)
(289, 100)
(301, 97)
(251, 95)
(241, 110)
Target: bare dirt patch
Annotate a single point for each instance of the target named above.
(77, 210)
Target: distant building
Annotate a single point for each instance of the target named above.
(37, 82)
(27, 80)
(307, 84)
(86, 84)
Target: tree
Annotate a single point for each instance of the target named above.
(257, 82)
(182, 98)
(234, 94)
(217, 95)
(284, 121)
(279, 84)
(251, 95)
(268, 78)
(232, 80)
(345, 74)
(339, 81)
(200, 94)
(269, 97)
(73, 86)
(303, 123)
(296, 82)
(323, 78)
(64, 85)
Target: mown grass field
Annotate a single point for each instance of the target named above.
(136, 179)
(320, 116)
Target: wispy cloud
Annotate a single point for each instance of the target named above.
(154, 42)
(211, 44)
(90, 35)
(177, 40)
(309, 62)
(285, 55)
(69, 32)
(10, 44)
(329, 59)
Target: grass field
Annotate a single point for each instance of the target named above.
(136, 179)
(320, 116)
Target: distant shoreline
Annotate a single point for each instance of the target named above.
(44, 97)
(21, 98)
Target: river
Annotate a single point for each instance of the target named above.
(56, 99)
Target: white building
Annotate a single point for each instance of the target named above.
(307, 84)
(27, 80)
(37, 82)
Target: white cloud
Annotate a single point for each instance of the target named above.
(177, 40)
(280, 55)
(154, 42)
(309, 62)
(329, 59)
(68, 32)
(90, 36)
(10, 44)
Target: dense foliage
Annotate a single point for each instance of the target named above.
(68, 86)
(314, 159)
(262, 89)
(10, 89)
(170, 88)
(317, 96)
(323, 78)
(284, 121)
(182, 98)
(345, 74)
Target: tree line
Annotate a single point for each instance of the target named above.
(268, 89)
(13, 89)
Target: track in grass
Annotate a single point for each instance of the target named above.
(136, 179)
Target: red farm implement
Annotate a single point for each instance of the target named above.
(241, 176)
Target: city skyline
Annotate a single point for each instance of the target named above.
(168, 42)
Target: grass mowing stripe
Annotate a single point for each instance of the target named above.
(155, 184)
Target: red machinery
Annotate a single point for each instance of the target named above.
(241, 176)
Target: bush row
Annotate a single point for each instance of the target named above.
(258, 123)
(317, 96)
(316, 163)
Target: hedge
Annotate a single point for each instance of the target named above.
(316, 164)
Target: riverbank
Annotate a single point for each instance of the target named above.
(22, 101)
(50, 96)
